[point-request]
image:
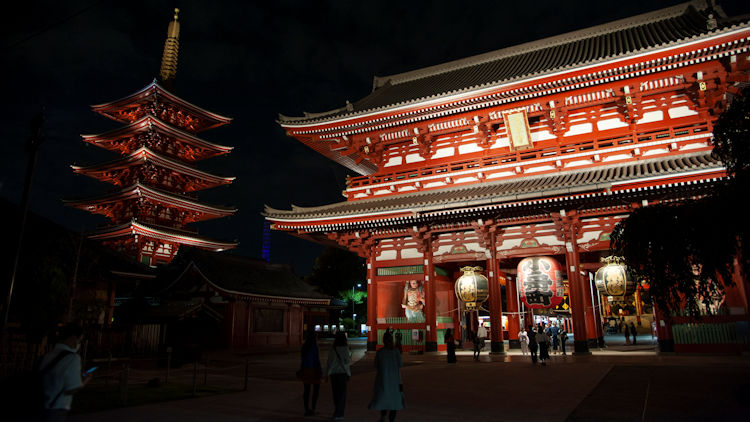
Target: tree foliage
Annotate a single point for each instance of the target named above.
(686, 250)
(337, 270)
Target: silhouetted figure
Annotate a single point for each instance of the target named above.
(387, 395)
(310, 372)
(338, 370)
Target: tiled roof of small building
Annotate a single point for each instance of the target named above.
(248, 276)
(517, 189)
(624, 37)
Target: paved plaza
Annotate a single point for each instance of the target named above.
(620, 383)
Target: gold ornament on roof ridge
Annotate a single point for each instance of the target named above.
(171, 49)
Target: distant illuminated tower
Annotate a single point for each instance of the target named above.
(266, 252)
(155, 180)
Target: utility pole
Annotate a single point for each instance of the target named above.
(32, 148)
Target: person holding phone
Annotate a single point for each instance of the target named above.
(62, 374)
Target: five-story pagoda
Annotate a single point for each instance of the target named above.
(154, 199)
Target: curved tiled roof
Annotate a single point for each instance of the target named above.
(525, 188)
(604, 42)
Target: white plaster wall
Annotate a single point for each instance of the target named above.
(414, 158)
(588, 236)
(549, 240)
(500, 174)
(434, 184)
(394, 161)
(542, 135)
(610, 124)
(617, 157)
(501, 142)
(386, 255)
(474, 247)
(681, 111)
(655, 151)
(469, 148)
(406, 188)
(509, 244)
(466, 180)
(539, 168)
(411, 253)
(579, 129)
(651, 116)
(444, 152)
(578, 163)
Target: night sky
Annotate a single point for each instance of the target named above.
(248, 61)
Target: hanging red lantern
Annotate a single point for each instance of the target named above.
(540, 282)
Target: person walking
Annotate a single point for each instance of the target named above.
(563, 339)
(633, 333)
(481, 337)
(450, 344)
(387, 394)
(338, 371)
(543, 341)
(533, 346)
(626, 330)
(399, 339)
(523, 338)
(553, 332)
(310, 372)
(60, 371)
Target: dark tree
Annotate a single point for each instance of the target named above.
(336, 270)
(686, 250)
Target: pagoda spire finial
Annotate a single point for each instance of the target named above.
(171, 48)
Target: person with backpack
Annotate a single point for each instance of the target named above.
(60, 374)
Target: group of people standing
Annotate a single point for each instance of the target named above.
(387, 394)
(542, 339)
(629, 330)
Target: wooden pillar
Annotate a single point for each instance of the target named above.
(577, 301)
(513, 309)
(430, 312)
(593, 338)
(372, 302)
(496, 305)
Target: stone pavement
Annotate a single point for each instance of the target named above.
(620, 383)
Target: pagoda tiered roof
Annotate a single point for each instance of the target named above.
(115, 140)
(163, 234)
(111, 171)
(104, 204)
(638, 35)
(602, 183)
(135, 106)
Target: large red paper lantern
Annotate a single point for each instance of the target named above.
(540, 282)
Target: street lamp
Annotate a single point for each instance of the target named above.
(354, 316)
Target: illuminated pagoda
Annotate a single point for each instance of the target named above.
(155, 178)
(532, 151)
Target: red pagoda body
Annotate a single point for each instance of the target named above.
(155, 178)
(536, 150)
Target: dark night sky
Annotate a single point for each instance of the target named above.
(248, 61)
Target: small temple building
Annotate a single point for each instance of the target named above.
(155, 179)
(521, 161)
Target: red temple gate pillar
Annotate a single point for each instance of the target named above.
(513, 312)
(496, 305)
(575, 284)
(430, 298)
(372, 308)
(593, 336)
